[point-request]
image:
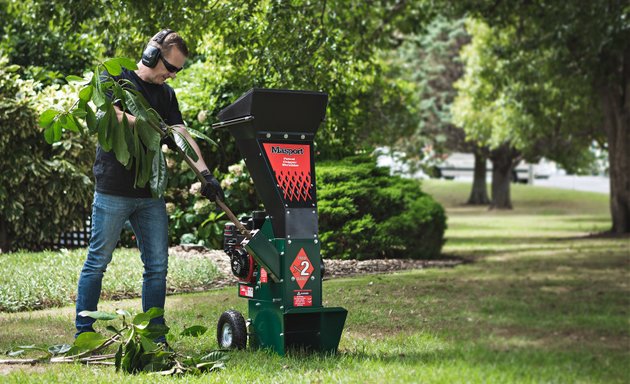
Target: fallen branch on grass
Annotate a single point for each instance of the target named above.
(136, 352)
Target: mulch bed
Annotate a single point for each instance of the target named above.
(334, 268)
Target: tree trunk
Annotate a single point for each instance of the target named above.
(504, 158)
(5, 239)
(479, 192)
(615, 101)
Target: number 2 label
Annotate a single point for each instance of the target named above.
(305, 265)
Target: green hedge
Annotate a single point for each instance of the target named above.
(364, 213)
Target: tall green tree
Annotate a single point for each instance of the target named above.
(431, 61)
(584, 48)
(502, 110)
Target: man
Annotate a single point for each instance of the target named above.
(117, 200)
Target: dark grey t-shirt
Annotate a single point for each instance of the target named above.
(111, 176)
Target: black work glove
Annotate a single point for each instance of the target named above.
(167, 139)
(212, 190)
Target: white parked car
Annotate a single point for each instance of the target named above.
(461, 165)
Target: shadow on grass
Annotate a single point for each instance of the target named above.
(505, 363)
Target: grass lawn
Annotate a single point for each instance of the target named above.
(539, 302)
(32, 280)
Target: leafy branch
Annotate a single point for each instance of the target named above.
(136, 352)
(136, 146)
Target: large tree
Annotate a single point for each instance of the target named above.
(431, 61)
(521, 112)
(584, 48)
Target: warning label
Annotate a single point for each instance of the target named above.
(301, 268)
(245, 291)
(263, 275)
(303, 299)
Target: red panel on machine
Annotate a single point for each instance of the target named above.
(291, 164)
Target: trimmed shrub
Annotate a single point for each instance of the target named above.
(364, 213)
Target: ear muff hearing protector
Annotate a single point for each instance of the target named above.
(151, 54)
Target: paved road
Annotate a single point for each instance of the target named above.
(579, 183)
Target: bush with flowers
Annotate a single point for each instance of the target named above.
(193, 219)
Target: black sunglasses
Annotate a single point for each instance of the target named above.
(170, 67)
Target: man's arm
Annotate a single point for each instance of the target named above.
(211, 189)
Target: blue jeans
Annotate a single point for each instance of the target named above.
(150, 224)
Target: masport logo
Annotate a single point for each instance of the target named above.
(287, 151)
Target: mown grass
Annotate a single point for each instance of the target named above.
(540, 302)
(32, 280)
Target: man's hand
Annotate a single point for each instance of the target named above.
(212, 190)
(167, 139)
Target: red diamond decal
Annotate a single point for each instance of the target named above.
(301, 268)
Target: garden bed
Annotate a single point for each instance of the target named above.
(334, 268)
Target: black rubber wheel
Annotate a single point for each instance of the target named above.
(231, 330)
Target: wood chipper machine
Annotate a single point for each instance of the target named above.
(275, 253)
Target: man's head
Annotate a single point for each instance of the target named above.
(164, 56)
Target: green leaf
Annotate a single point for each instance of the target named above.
(57, 130)
(119, 142)
(155, 312)
(98, 315)
(89, 341)
(112, 329)
(80, 113)
(74, 79)
(47, 117)
(113, 67)
(59, 349)
(153, 331)
(210, 366)
(90, 119)
(141, 320)
(185, 145)
(199, 135)
(150, 138)
(49, 135)
(15, 353)
(98, 95)
(145, 168)
(126, 62)
(129, 139)
(103, 130)
(139, 151)
(215, 356)
(159, 178)
(128, 359)
(70, 123)
(194, 331)
(136, 104)
(147, 344)
(118, 357)
(85, 93)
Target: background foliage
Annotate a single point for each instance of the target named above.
(43, 188)
(331, 46)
